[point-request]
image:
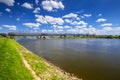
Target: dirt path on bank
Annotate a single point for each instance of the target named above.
(29, 67)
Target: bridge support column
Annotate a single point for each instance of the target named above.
(44, 37)
(64, 36)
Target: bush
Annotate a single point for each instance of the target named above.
(3, 34)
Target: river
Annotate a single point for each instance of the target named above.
(90, 59)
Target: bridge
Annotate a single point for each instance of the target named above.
(43, 35)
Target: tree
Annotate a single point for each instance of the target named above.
(3, 34)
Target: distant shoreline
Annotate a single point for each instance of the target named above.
(43, 36)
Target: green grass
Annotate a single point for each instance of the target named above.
(11, 65)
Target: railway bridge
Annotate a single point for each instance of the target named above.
(43, 35)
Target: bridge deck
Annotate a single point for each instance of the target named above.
(43, 34)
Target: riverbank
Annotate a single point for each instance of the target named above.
(42, 69)
(11, 65)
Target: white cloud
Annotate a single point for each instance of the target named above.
(8, 10)
(92, 30)
(100, 14)
(76, 31)
(36, 10)
(71, 31)
(50, 5)
(81, 23)
(109, 31)
(18, 19)
(36, 2)
(76, 23)
(32, 25)
(81, 30)
(106, 31)
(8, 2)
(58, 30)
(47, 31)
(80, 27)
(70, 15)
(44, 31)
(90, 26)
(50, 31)
(107, 28)
(117, 28)
(27, 5)
(87, 15)
(11, 27)
(49, 19)
(57, 27)
(68, 21)
(82, 17)
(18, 4)
(0, 27)
(67, 27)
(101, 20)
(41, 19)
(78, 18)
(84, 30)
(53, 20)
(106, 25)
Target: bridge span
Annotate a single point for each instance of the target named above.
(44, 34)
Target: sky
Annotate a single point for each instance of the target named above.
(100, 17)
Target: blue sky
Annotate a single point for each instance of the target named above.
(60, 16)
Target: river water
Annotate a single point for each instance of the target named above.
(90, 59)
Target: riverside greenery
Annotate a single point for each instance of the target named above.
(11, 65)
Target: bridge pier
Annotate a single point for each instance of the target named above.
(64, 36)
(41, 37)
(44, 37)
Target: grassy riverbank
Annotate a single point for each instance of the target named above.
(12, 67)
